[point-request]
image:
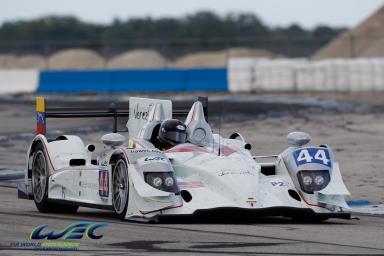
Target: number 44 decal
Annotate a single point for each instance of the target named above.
(312, 155)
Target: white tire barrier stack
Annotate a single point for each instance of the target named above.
(378, 74)
(245, 75)
(240, 75)
(276, 75)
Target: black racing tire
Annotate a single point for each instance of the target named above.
(40, 177)
(120, 187)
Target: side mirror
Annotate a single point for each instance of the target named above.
(113, 139)
(237, 135)
(298, 139)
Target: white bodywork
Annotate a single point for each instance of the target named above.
(217, 173)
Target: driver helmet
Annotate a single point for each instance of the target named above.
(172, 132)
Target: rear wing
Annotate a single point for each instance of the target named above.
(113, 110)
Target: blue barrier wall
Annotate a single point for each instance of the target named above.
(75, 81)
(132, 80)
(149, 80)
(206, 80)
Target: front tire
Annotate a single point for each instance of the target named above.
(40, 177)
(120, 188)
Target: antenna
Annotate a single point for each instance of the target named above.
(219, 151)
(113, 110)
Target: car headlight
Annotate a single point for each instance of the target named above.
(156, 181)
(164, 181)
(311, 181)
(307, 180)
(319, 180)
(169, 182)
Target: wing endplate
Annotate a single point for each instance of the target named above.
(40, 116)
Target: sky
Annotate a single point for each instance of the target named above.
(307, 13)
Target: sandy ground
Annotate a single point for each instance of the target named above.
(356, 138)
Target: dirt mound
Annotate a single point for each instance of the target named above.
(219, 58)
(30, 61)
(201, 59)
(375, 50)
(361, 41)
(140, 58)
(239, 52)
(7, 61)
(76, 59)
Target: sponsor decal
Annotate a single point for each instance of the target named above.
(278, 183)
(235, 172)
(145, 151)
(89, 185)
(42, 238)
(312, 155)
(103, 183)
(141, 115)
(154, 158)
(104, 163)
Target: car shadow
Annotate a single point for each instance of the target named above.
(235, 219)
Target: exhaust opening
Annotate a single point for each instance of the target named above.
(77, 162)
(268, 170)
(187, 197)
(294, 194)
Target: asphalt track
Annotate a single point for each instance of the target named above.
(363, 235)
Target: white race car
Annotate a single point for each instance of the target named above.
(200, 173)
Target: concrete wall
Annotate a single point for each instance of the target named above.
(18, 81)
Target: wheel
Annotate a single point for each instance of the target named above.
(120, 188)
(40, 176)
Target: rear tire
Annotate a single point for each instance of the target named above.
(40, 177)
(120, 188)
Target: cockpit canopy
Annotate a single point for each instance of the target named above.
(198, 130)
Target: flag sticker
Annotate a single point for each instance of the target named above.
(40, 116)
(103, 183)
